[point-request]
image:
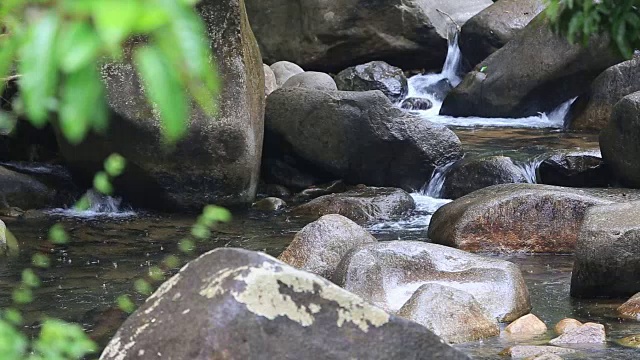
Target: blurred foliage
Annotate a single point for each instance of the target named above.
(55, 50)
(579, 20)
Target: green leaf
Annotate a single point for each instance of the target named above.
(143, 287)
(115, 19)
(78, 47)
(40, 260)
(58, 235)
(30, 279)
(102, 183)
(164, 90)
(61, 340)
(13, 316)
(171, 261)
(125, 304)
(156, 273)
(83, 204)
(214, 213)
(115, 164)
(82, 98)
(200, 232)
(8, 49)
(186, 246)
(39, 68)
(13, 344)
(22, 295)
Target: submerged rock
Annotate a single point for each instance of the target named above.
(526, 351)
(565, 325)
(519, 217)
(471, 174)
(528, 325)
(416, 104)
(607, 259)
(631, 308)
(319, 246)
(375, 75)
(284, 70)
(387, 274)
(588, 333)
(535, 72)
(632, 341)
(452, 314)
(356, 136)
(592, 110)
(362, 205)
(574, 171)
(311, 80)
(239, 304)
(495, 26)
(333, 187)
(218, 160)
(333, 35)
(620, 141)
(270, 204)
(270, 82)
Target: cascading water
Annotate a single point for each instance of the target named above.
(99, 206)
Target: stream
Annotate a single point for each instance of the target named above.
(111, 246)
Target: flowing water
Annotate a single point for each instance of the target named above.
(111, 246)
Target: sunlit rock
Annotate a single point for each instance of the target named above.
(565, 325)
(528, 325)
(631, 308)
(588, 333)
(375, 75)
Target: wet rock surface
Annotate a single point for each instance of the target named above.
(566, 324)
(416, 104)
(375, 75)
(388, 273)
(631, 308)
(239, 304)
(319, 246)
(362, 205)
(607, 259)
(588, 333)
(452, 314)
(471, 174)
(574, 171)
(519, 217)
(270, 204)
(525, 351)
(528, 325)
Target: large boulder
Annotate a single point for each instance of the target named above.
(333, 35)
(375, 75)
(362, 205)
(356, 136)
(518, 217)
(607, 259)
(387, 274)
(471, 174)
(495, 26)
(574, 171)
(592, 110)
(454, 315)
(239, 304)
(533, 73)
(319, 246)
(24, 191)
(218, 161)
(620, 141)
(311, 80)
(284, 70)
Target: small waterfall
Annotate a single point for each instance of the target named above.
(434, 187)
(453, 63)
(530, 169)
(99, 206)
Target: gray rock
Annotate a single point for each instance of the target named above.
(471, 174)
(416, 104)
(319, 246)
(311, 80)
(526, 351)
(313, 192)
(545, 357)
(574, 171)
(284, 70)
(333, 35)
(438, 90)
(519, 217)
(270, 204)
(388, 273)
(631, 308)
(589, 333)
(218, 160)
(362, 205)
(535, 72)
(620, 141)
(607, 259)
(375, 75)
(452, 314)
(270, 82)
(239, 304)
(24, 191)
(592, 110)
(356, 136)
(279, 191)
(495, 26)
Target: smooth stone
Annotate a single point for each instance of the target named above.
(284, 70)
(362, 205)
(319, 246)
(528, 325)
(607, 258)
(525, 351)
(452, 314)
(631, 308)
(588, 333)
(416, 104)
(270, 82)
(574, 171)
(239, 304)
(545, 357)
(270, 204)
(529, 218)
(632, 341)
(472, 174)
(565, 325)
(23, 191)
(375, 75)
(311, 80)
(387, 274)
